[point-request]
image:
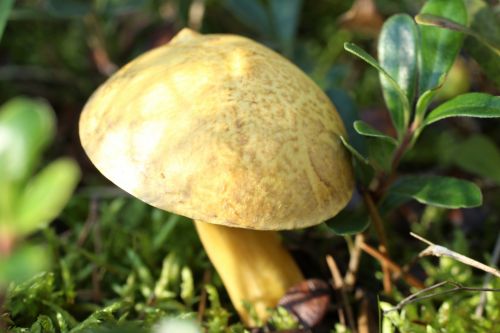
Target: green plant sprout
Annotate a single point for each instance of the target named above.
(29, 198)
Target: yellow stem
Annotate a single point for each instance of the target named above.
(254, 266)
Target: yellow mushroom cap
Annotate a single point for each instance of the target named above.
(220, 129)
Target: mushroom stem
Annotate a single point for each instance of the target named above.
(254, 266)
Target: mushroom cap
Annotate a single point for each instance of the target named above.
(220, 129)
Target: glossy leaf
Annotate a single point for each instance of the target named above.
(285, 19)
(423, 103)
(380, 153)
(357, 51)
(26, 127)
(356, 154)
(367, 130)
(479, 155)
(46, 195)
(251, 13)
(5, 8)
(397, 54)
(485, 21)
(477, 105)
(349, 222)
(439, 47)
(363, 170)
(438, 191)
(441, 22)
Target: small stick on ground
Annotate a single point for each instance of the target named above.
(415, 297)
(440, 251)
(412, 281)
(352, 268)
(338, 284)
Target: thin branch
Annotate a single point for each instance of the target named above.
(354, 260)
(413, 298)
(203, 298)
(440, 251)
(339, 285)
(412, 281)
(379, 228)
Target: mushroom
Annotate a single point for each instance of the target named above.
(227, 132)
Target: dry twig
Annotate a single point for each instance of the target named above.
(411, 280)
(338, 284)
(352, 268)
(440, 251)
(415, 297)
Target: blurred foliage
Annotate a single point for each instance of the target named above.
(118, 265)
(29, 200)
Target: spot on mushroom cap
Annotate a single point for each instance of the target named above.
(221, 129)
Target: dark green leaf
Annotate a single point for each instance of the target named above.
(252, 13)
(380, 153)
(357, 51)
(285, 18)
(69, 8)
(397, 54)
(353, 151)
(467, 105)
(441, 22)
(480, 156)
(5, 8)
(439, 47)
(348, 222)
(365, 129)
(484, 20)
(46, 195)
(438, 191)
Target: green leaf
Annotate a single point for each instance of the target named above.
(359, 52)
(348, 222)
(5, 8)
(365, 129)
(423, 103)
(353, 151)
(441, 22)
(285, 19)
(25, 262)
(439, 47)
(26, 128)
(477, 105)
(438, 191)
(479, 155)
(398, 55)
(484, 20)
(252, 13)
(380, 153)
(46, 195)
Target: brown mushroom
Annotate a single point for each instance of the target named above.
(223, 130)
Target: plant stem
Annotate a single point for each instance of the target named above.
(379, 229)
(410, 279)
(398, 155)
